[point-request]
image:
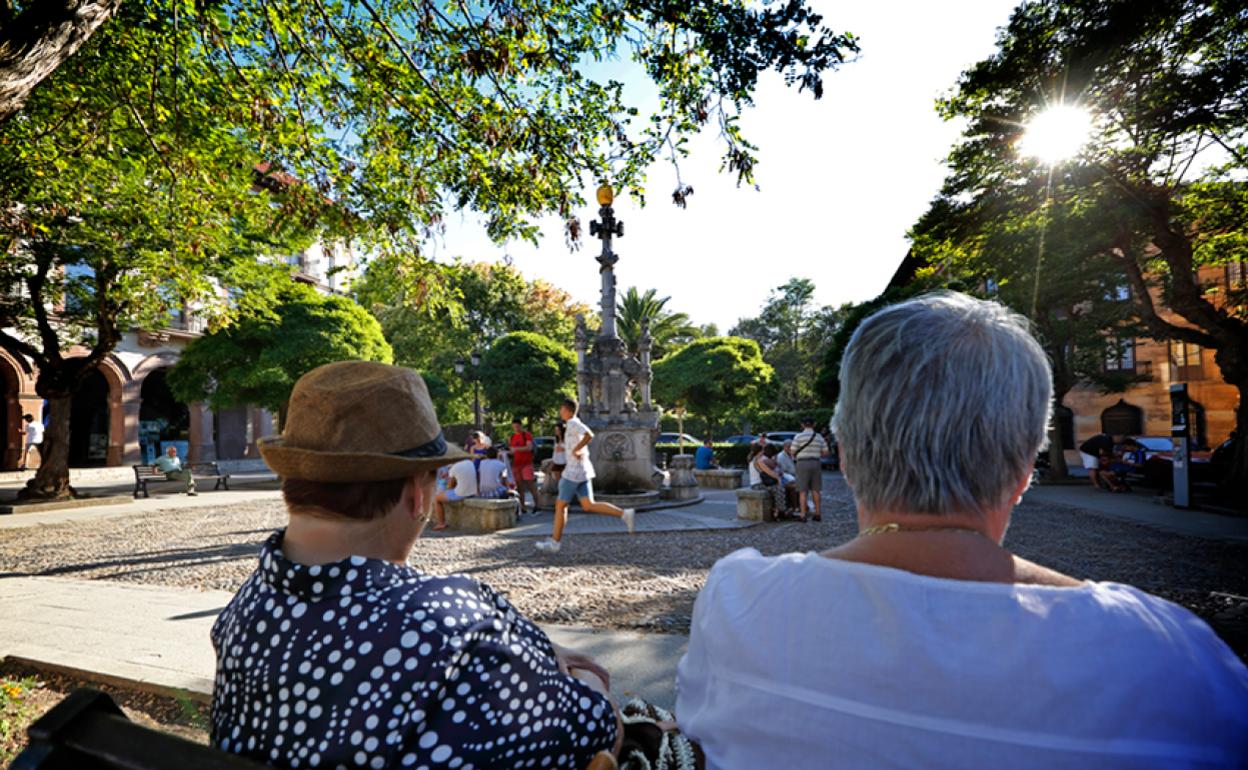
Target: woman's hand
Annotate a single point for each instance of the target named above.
(571, 660)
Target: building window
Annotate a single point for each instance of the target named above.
(1120, 355)
(1186, 361)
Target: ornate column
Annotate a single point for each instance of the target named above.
(644, 375)
(605, 229)
(202, 447)
(582, 365)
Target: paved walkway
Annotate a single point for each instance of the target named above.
(157, 636)
(162, 500)
(1143, 507)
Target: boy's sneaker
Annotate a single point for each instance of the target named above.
(548, 546)
(630, 517)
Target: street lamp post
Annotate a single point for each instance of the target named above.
(461, 367)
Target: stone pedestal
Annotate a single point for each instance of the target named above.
(623, 456)
(682, 484)
(755, 505)
(719, 478)
(549, 490)
(481, 515)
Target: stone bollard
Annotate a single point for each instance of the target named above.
(549, 490)
(682, 484)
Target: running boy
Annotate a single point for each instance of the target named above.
(577, 479)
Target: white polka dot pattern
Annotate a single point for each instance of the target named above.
(367, 664)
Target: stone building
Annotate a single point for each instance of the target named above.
(125, 412)
(1144, 407)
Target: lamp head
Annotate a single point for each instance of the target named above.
(606, 196)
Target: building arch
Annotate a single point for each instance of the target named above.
(1122, 419)
(17, 397)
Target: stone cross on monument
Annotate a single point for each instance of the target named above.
(606, 229)
(607, 375)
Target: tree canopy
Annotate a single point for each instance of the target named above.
(714, 377)
(480, 302)
(793, 334)
(258, 358)
(1151, 190)
(526, 375)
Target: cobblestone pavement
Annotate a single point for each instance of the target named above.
(647, 581)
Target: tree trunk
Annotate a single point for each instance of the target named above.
(1057, 453)
(51, 481)
(39, 39)
(1234, 488)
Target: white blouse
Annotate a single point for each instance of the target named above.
(802, 661)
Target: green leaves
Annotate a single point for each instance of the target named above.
(259, 357)
(714, 377)
(526, 375)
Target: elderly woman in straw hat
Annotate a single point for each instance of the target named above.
(337, 653)
(924, 642)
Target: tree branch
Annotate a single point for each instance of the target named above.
(1158, 326)
(39, 40)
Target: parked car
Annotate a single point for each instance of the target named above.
(1158, 468)
(676, 438)
(740, 438)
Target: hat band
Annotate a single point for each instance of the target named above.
(433, 448)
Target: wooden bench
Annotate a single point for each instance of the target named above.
(718, 478)
(755, 505)
(88, 731)
(481, 515)
(150, 474)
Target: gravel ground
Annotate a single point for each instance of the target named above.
(646, 582)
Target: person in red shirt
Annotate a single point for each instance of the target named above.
(522, 462)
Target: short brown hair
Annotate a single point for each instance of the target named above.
(353, 500)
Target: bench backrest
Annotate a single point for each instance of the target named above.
(146, 471)
(205, 469)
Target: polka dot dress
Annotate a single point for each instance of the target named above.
(368, 664)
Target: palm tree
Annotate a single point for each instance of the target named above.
(667, 329)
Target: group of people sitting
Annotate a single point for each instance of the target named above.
(791, 472)
(489, 472)
(921, 642)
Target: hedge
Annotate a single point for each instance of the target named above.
(728, 455)
(766, 421)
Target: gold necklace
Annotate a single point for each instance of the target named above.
(882, 529)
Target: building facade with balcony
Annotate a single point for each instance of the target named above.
(125, 413)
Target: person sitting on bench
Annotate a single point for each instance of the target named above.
(924, 642)
(170, 465)
(336, 653)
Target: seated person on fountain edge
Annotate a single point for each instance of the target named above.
(337, 653)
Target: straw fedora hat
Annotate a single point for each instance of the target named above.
(358, 421)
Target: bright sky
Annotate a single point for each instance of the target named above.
(841, 179)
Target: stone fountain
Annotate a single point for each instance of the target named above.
(613, 388)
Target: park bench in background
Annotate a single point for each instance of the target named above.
(87, 731)
(482, 514)
(718, 478)
(150, 474)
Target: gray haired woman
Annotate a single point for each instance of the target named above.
(924, 642)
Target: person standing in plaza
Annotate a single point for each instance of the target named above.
(809, 449)
(577, 481)
(170, 465)
(34, 439)
(521, 444)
